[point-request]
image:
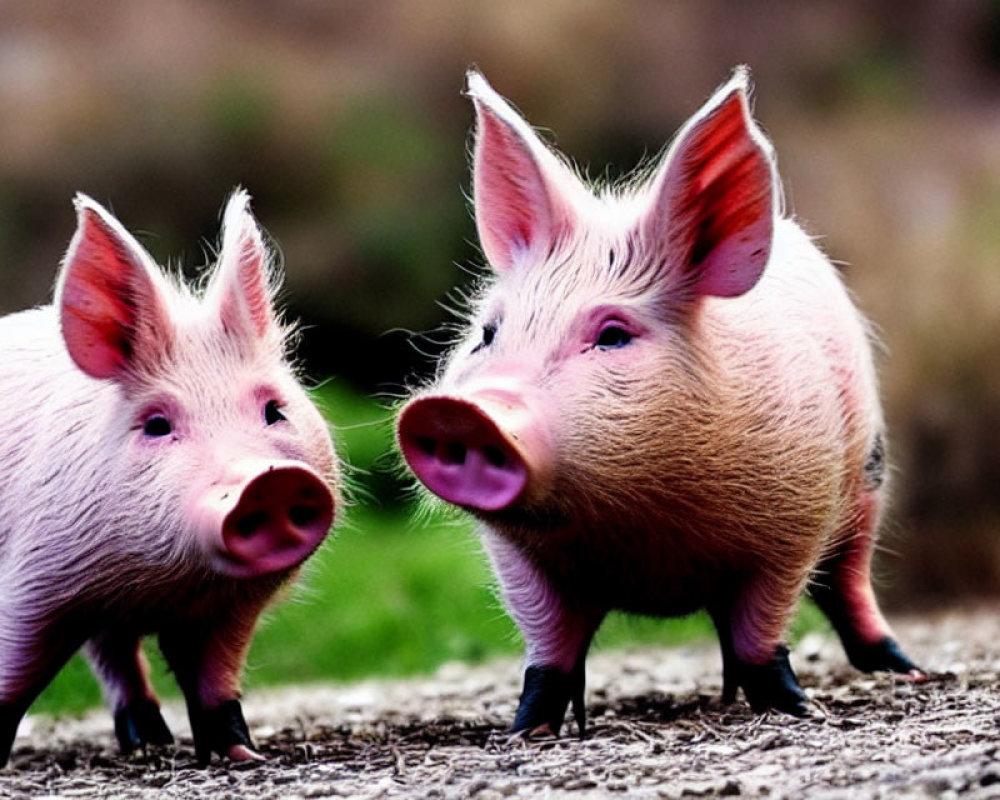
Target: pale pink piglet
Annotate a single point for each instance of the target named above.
(163, 472)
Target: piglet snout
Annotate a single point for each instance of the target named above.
(270, 516)
(479, 453)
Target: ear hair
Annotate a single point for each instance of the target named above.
(523, 193)
(242, 283)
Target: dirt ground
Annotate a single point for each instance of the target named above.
(657, 729)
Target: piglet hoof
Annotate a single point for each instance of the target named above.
(730, 681)
(886, 655)
(547, 693)
(222, 730)
(139, 724)
(240, 752)
(773, 686)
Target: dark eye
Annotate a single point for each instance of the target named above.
(272, 413)
(489, 334)
(157, 425)
(613, 336)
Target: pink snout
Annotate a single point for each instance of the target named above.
(268, 516)
(474, 454)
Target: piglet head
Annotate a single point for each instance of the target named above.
(222, 458)
(582, 360)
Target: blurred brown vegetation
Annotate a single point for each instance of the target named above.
(345, 122)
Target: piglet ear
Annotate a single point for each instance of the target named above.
(241, 285)
(715, 197)
(521, 190)
(111, 298)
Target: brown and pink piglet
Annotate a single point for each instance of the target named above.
(162, 471)
(665, 402)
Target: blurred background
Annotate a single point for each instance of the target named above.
(346, 123)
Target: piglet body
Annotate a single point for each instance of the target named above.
(163, 473)
(666, 402)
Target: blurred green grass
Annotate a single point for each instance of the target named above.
(393, 594)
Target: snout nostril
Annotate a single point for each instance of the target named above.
(303, 516)
(249, 524)
(494, 455)
(426, 445)
(455, 453)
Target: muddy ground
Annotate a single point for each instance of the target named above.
(657, 729)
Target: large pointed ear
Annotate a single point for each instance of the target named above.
(241, 286)
(111, 298)
(521, 190)
(713, 201)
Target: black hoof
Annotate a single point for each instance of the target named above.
(773, 686)
(730, 679)
(547, 693)
(139, 724)
(10, 718)
(885, 655)
(216, 730)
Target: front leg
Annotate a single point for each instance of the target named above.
(751, 622)
(10, 718)
(207, 660)
(557, 635)
(33, 648)
(117, 659)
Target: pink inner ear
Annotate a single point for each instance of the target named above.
(252, 285)
(718, 197)
(253, 267)
(242, 278)
(98, 300)
(513, 209)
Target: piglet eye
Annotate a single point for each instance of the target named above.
(157, 425)
(489, 334)
(613, 336)
(272, 412)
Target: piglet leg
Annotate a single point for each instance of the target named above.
(117, 658)
(557, 635)
(207, 661)
(842, 588)
(750, 627)
(31, 653)
(10, 718)
(731, 677)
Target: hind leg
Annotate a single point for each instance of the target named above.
(842, 588)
